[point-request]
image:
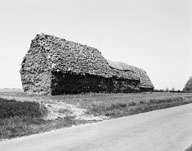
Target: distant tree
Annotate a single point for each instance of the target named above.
(167, 90)
(156, 90)
(161, 90)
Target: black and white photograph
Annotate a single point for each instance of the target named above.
(95, 75)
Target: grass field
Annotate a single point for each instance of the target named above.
(69, 109)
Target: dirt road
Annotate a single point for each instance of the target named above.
(163, 130)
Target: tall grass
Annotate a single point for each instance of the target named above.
(25, 118)
(17, 117)
(11, 108)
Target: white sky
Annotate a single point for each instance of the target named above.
(155, 35)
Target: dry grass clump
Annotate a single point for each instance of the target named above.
(11, 108)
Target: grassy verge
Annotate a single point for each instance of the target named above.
(17, 118)
(121, 104)
(22, 126)
(118, 109)
(26, 117)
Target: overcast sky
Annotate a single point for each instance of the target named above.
(155, 35)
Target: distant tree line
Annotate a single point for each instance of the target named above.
(167, 90)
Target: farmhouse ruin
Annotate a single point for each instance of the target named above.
(57, 66)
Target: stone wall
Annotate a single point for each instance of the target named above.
(35, 73)
(55, 66)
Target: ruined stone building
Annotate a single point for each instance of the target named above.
(57, 66)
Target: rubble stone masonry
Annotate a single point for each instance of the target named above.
(57, 66)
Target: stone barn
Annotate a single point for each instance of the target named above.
(188, 86)
(57, 66)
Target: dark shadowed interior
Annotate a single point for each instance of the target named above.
(71, 83)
